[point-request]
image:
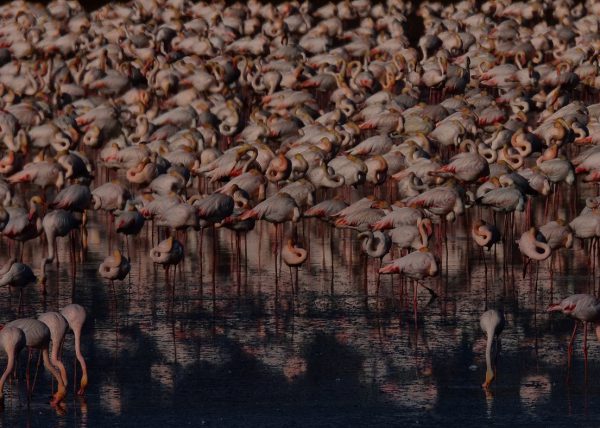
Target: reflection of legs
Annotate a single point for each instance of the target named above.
(378, 278)
(570, 348)
(415, 285)
(27, 376)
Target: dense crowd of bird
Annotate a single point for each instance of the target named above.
(196, 116)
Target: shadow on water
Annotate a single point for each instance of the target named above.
(315, 358)
(330, 355)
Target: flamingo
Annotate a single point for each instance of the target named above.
(293, 256)
(557, 234)
(76, 315)
(583, 308)
(57, 324)
(109, 196)
(492, 323)
(485, 234)
(362, 219)
(18, 275)
(12, 340)
(376, 245)
(75, 197)
(37, 336)
(399, 216)
(56, 223)
(115, 267)
(411, 236)
(23, 225)
(417, 266)
(277, 209)
(532, 245)
(129, 222)
(326, 209)
(167, 253)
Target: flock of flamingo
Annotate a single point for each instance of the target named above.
(197, 116)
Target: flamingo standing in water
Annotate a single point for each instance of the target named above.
(277, 209)
(37, 336)
(417, 266)
(485, 235)
(492, 323)
(583, 308)
(376, 245)
(18, 275)
(129, 222)
(12, 340)
(115, 267)
(293, 256)
(76, 315)
(533, 246)
(167, 253)
(57, 223)
(58, 326)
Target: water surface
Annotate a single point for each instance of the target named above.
(240, 349)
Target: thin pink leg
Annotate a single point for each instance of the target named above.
(570, 348)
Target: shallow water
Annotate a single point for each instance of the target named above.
(245, 351)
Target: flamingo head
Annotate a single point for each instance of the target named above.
(83, 384)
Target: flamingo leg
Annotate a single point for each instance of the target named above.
(570, 348)
(296, 279)
(29, 391)
(415, 302)
(275, 260)
(378, 278)
(20, 310)
(585, 350)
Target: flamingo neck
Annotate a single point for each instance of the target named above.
(488, 353)
(10, 365)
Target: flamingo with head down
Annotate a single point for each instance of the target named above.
(492, 323)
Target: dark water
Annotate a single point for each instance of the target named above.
(253, 354)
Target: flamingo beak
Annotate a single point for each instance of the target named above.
(489, 377)
(83, 385)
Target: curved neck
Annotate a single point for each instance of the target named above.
(423, 234)
(253, 155)
(488, 355)
(10, 365)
